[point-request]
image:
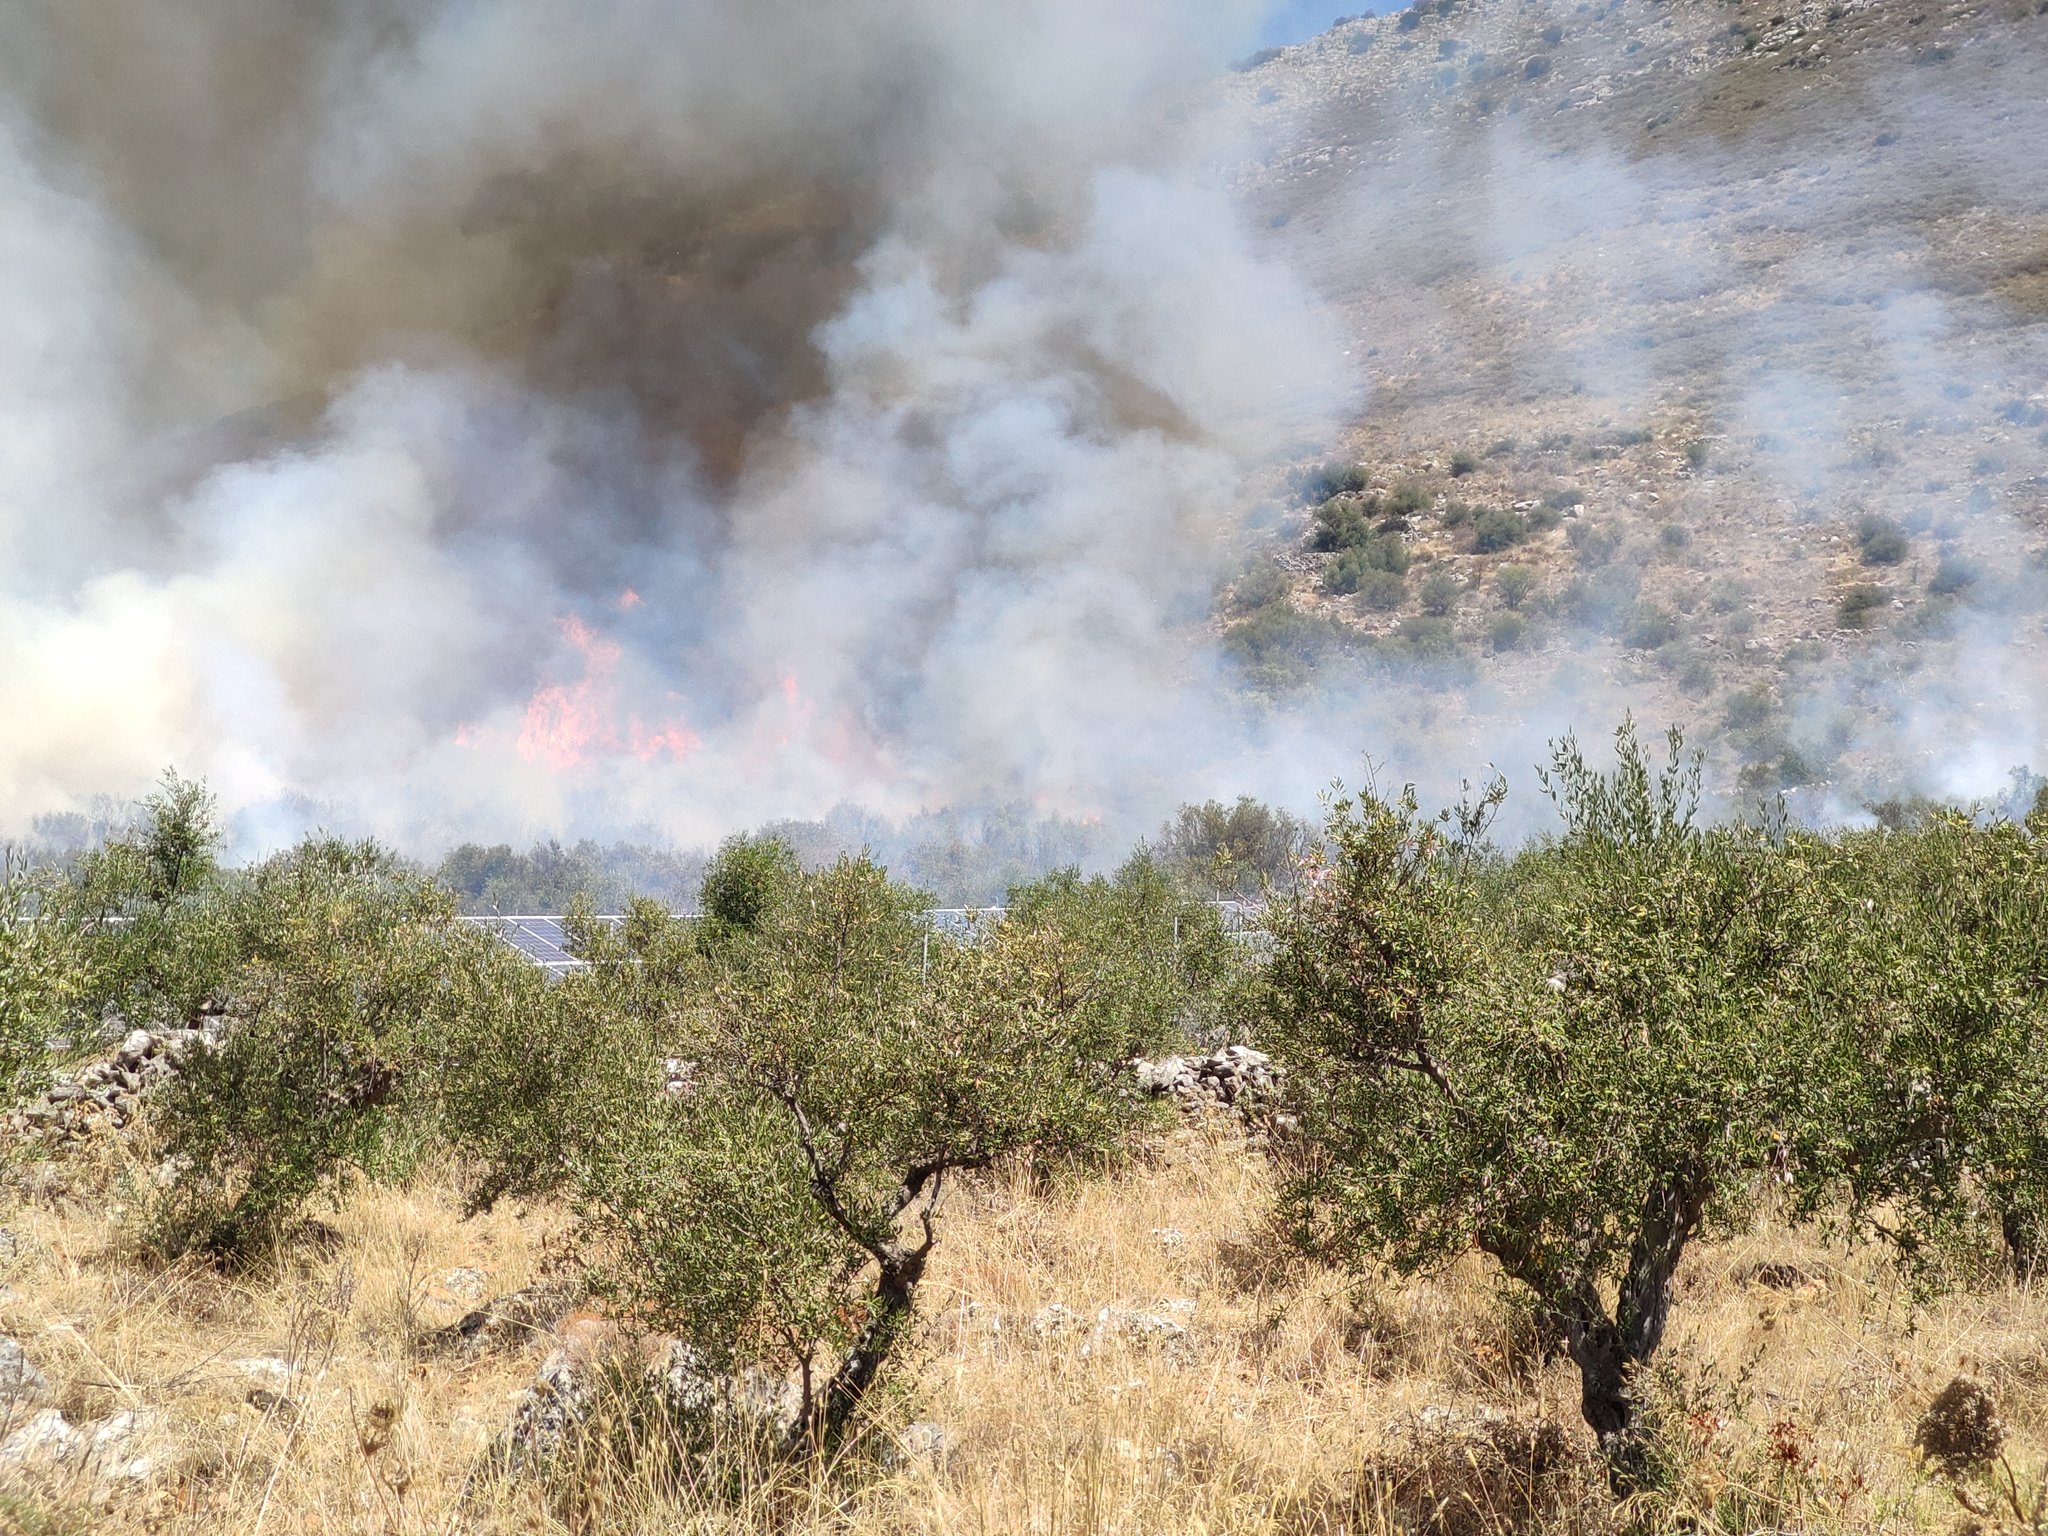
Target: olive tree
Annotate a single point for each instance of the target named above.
(1937, 1109)
(775, 1195)
(343, 958)
(41, 974)
(1574, 1062)
(148, 910)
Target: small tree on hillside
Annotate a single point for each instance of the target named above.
(1233, 850)
(1937, 1122)
(343, 959)
(845, 1066)
(1574, 1063)
(149, 912)
(41, 974)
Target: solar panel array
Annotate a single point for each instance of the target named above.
(544, 939)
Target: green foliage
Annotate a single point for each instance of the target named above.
(1859, 606)
(1574, 1062)
(1649, 626)
(1953, 576)
(1440, 593)
(1506, 631)
(42, 974)
(845, 1065)
(1320, 483)
(1279, 648)
(342, 962)
(742, 884)
(147, 910)
(1496, 529)
(1355, 569)
(1262, 584)
(1513, 584)
(1231, 850)
(1938, 1120)
(1881, 541)
(550, 877)
(1463, 462)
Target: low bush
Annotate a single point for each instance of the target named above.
(1881, 541)
(1859, 606)
(1953, 576)
(1463, 462)
(1513, 584)
(343, 962)
(1496, 529)
(1440, 593)
(1649, 626)
(1280, 647)
(1506, 631)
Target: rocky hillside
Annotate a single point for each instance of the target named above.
(1707, 349)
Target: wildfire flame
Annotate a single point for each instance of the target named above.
(567, 723)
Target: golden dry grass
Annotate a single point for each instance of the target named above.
(1795, 1373)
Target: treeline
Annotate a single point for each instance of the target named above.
(1577, 1057)
(958, 858)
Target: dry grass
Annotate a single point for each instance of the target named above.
(1295, 1399)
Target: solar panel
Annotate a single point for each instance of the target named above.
(542, 939)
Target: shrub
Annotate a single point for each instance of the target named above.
(1953, 576)
(1496, 529)
(1360, 42)
(1747, 708)
(1604, 599)
(1382, 591)
(1406, 499)
(1409, 21)
(1575, 1064)
(1234, 849)
(1279, 647)
(1858, 606)
(343, 960)
(42, 975)
(1673, 538)
(1426, 642)
(1502, 447)
(741, 884)
(1939, 1114)
(1649, 626)
(1697, 453)
(1439, 593)
(1262, 584)
(1255, 60)
(847, 1066)
(1880, 541)
(1384, 553)
(1343, 522)
(1513, 584)
(1328, 479)
(1506, 631)
(1535, 68)
(148, 911)
(1463, 462)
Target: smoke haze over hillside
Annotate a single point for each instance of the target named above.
(457, 418)
(454, 421)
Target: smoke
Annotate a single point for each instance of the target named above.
(453, 420)
(1814, 250)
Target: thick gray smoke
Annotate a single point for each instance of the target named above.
(484, 419)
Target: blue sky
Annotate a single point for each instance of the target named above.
(1294, 20)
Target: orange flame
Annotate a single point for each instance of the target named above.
(567, 722)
